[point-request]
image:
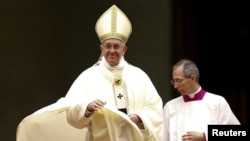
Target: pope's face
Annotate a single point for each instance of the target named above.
(113, 50)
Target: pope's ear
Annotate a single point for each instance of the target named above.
(125, 48)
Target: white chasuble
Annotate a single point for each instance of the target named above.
(49, 124)
(63, 121)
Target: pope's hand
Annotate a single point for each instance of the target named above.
(95, 105)
(137, 120)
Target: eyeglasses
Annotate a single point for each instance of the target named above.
(177, 81)
(114, 46)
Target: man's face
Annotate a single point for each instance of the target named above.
(181, 84)
(113, 50)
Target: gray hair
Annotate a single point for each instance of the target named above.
(189, 68)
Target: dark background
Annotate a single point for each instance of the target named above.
(45, 45)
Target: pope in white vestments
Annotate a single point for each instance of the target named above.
(195, 109)
(110, 101)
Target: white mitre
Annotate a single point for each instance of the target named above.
(113, 23)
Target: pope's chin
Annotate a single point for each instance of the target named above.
(112, 62)
(112, 59)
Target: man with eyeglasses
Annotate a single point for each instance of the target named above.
(110, 101)
(116, 100)
(187, 117)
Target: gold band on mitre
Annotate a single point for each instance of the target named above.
(113, 23)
